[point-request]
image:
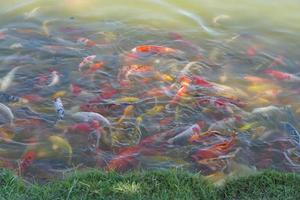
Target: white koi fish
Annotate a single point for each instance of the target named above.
(6, 81)
(185, 134)
(6, 112)
(55, 79)
(59, 108)
(90, 116)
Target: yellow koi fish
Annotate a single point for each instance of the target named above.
(61, 143)
(127, 100)
(128, 111)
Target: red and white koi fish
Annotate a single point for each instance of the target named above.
(194, 129)
(282, 76)
(26, 160)
(86, 60)
(87, 42)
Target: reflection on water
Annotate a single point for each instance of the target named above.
(204, 86)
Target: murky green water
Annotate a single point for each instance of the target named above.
(207, 86)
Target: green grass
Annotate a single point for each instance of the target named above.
(166, 184)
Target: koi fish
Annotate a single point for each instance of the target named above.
(59, 94)
(127, 157)
(6, 135)
(197, 137)
(75, 89)
(282, 76)
(137, 69)
(85, 127)
(251, 51)
(54, 78)
(220, 17)
(127, 100)
(59, 108)
(194, 129)
(256, 80)
(2, 34)
(153, 49)
(164, 77)
(185, 83)
(86, 60)
(87, 42)
(94, 67)
(292, 132)
(122, 162)
(198, 80)
(16, 46)
(6, 98)
(215, 150)
(178, 96)
(32, 98)
(128, 111)
(6, 111)
(6, 81)
(90, 116)
(61, 143)
(32, 13)
(26, 160)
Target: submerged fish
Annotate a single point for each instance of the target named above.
(292, 132)
(87, 42)
(55, 78)
(6, 81)
(153, 49)
(32, 13)
(6, 98)
(26, 160)
(282, 76)
(90, 116)
(86, 60)
(59, 108)
(61, 143)
(128, 111)
(6, 113)
(194, 129)
(127, 100)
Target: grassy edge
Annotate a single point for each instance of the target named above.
(164, 184)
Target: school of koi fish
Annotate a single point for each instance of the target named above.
(79, 98)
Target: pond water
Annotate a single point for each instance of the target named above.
(204, 86)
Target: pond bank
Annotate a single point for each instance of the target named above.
(164, 184)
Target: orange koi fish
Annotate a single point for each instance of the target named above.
(185, 83)
(26, 160)
(215, 150)
(282, 76)
(197, 137)
(154, 49)
(94, 67)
